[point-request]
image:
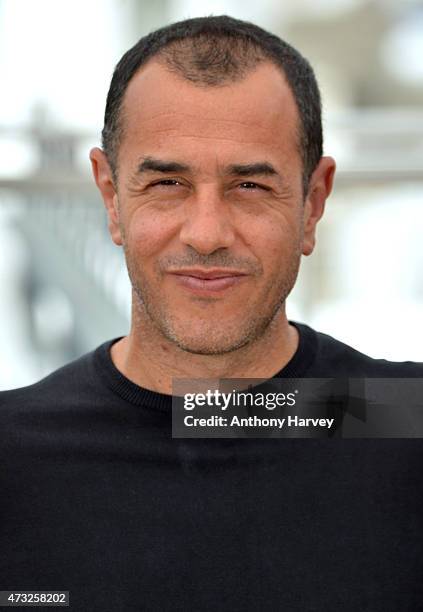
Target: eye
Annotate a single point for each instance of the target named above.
(167, 183)
(250, 186)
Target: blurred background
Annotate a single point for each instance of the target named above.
(63, 284)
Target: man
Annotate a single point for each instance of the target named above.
(214, 181)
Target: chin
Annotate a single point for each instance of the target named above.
(205, 343)
(208, 349)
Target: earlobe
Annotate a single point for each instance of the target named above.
(103, 177)
(319, 190)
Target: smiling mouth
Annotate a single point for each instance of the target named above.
(208, 282)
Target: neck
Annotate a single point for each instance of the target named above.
(151, 361)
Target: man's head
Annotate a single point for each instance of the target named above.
(213, 52)
(204, 175)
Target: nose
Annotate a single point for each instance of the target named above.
(208, 224)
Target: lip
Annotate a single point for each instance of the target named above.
(208, 282)
(207, 274)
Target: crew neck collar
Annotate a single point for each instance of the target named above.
(129, 391)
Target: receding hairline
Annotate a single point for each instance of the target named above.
(160, 61)
(227, 42)
(211, 59)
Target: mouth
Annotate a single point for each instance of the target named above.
(208, 282)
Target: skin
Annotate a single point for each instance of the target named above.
(208, 214)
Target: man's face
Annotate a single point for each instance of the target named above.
(209, 205)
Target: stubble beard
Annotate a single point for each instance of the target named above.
(212, 337)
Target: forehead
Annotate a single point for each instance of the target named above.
(161, 108)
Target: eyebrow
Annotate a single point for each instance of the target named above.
(160, 165)
(150, 164)
(263, 168)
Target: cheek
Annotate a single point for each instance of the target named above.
(149, 232)
(274, 242)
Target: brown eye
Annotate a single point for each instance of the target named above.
(168, 183)
(249, 186)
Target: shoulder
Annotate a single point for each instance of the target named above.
(74, 384)
(335, 358)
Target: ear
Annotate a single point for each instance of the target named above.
(320, 186)
(104, 181)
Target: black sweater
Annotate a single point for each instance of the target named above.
(98, 499)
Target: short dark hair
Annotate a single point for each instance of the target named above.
(210, 51)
